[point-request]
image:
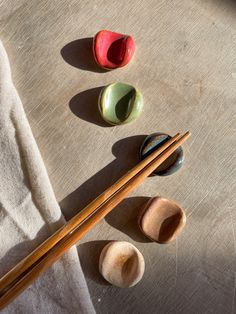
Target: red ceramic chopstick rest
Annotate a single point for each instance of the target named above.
(112, 50)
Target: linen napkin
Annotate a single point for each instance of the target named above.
(29, 213)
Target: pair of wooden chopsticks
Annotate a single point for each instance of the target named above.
(31, 267)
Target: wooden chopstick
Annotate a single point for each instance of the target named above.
(22, 266)
(61, 247)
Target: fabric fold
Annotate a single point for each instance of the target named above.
(29, 212)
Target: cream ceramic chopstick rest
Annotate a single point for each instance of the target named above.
(121, 264)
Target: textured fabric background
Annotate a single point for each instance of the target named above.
(185, 66)
(29, 212)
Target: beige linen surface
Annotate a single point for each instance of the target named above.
(185, 66)
(29, 212)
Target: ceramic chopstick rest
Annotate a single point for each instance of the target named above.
(162, 220)
(121, 264)
(172, 163)
(112, 50)
(120, 103)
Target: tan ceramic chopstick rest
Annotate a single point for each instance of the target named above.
(162, 220)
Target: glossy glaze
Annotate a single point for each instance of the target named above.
(120, 103)
(172, 164)
(112, 50)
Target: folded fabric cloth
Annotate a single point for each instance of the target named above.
(29, 213)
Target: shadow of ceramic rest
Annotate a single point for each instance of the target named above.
(124, 218)
(125, 151)
(79, 54)
(89, 254)
(85, 106)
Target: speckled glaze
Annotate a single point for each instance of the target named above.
(171, 164)
(120, 103)
(112, 50)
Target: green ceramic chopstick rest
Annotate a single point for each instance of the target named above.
(120, 103)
